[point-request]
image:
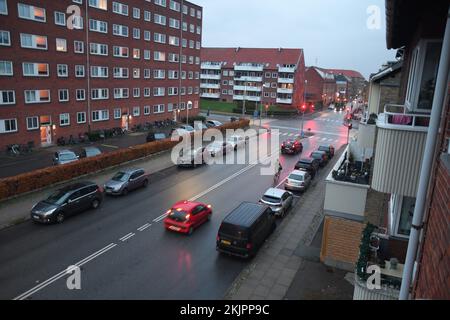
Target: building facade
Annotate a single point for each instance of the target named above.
(320, 86)
(268, 76)
(71, 67)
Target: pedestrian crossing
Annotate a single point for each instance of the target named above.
(339, 121)
(312, 138)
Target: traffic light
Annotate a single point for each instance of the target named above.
(303, 108)
(267, 107)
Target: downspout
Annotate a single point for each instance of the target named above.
(88, 69)
(427, 163)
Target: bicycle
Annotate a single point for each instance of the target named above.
(14, 149)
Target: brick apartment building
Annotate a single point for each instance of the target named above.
(270, 76)
(113, 64)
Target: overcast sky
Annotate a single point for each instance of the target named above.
(333, 33)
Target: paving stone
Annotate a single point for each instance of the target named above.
(279, 289)
(261, 291)
(256, 297)
(285, 280)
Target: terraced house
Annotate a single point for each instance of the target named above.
(70, 67)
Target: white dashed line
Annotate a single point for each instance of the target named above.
(145, 226)
(128, 236)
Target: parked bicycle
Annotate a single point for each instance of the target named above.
(14, 149)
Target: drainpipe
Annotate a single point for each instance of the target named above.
(427, 164)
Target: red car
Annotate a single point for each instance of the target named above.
(185, 216)
(291, 147)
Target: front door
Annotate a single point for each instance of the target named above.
(46, 135)
(125, 122)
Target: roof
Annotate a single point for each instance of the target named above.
(131, 170)
(77, 186)
(245, 215)
(270, 57)
(391, 69)
(186, 205)
(344, 72)
(274, 192)
(323, 73)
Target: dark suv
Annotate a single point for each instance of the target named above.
(328, 149)
(309, 165)
(321, 156)
(68, 201)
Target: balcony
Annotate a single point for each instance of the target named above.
(285, 80)
(249, 67)
(247, 98)
(208, 76)
(249, 79)
(210, 95)
(286, 69)
(211, 66)
(209, 85)
(284, 101)
(285, 90)
(247, 88)
(399, 151)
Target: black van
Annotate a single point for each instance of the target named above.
(245, 229)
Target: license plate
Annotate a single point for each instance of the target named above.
(174, 228)
(226, 242)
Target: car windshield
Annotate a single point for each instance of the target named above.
(271, 199)
(92, 152)
(178, 215)
(316, 155)
(323, 148)
(120, 176)
(67, 156)
(296, 177)
(59, 197)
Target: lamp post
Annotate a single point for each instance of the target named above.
(243, 103)
(189, 105)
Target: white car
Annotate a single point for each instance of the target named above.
(187, 128)
(236, 141)
(279, 201)
(219, 148)
(213, 123)
(179, 132)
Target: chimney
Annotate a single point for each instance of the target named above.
(237, 49)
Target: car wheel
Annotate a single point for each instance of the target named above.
(145, 184)
(60, 218)
(125, 192)
(95, 204)
(191, 231)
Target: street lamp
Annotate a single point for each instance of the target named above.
(189, 105)
(245, 97)
(303, 109)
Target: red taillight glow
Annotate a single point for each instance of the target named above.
(249, 246)
(217, 238)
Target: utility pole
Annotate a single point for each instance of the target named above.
(245, 96)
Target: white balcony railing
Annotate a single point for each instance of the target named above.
(247, 88)
(285, 90)
(210, 76)
(284, 100)
(211, 66)
(249, 67)
(286, 69)
(210, 95)
(285, 80)
(391, 118)
(247, 98)
(248, 79)
(210, 85)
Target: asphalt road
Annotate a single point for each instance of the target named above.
(124, 251)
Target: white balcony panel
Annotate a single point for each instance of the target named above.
(284, 101)
(362, 292)
(286, 70)
(248, 88)
(285, 80)
(210, 76)
(256, 68)
(209, 66)
(210, 95)
(210, 85)
(247, 98)
(249, 79)
(285, 90)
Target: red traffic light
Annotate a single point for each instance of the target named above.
(267, 107)
(303, 108)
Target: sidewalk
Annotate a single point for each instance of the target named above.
(287, 259)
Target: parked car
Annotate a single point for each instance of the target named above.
(191, 158)
(213, 123)
(245, 230)
(328, 149)
(219, 148)
(185, 216)
(64, 156)
(291, 146)
(89, 152)
(178, 132)
(279, 200)
(237, 141)
(125, 181)
(199, 126)
(309, 165)
(298, 181)
(67, 201)
(321, 156)
(187, 128)
(152, 136)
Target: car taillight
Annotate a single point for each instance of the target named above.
(217, 238)
(249, 246)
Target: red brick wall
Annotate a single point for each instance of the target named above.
(315, 85)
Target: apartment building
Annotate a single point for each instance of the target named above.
(395, 175)
(71, 67)
(268, 76)
(320, 86)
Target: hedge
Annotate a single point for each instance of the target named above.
(41, 178)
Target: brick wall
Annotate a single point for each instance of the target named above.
(340, 242)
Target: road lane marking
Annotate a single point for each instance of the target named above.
(128, 236)
(110, 146)
(63, 273)
(313, 131)
(145, 226)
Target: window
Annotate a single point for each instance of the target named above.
(100, 94)
(60, 18)
(159, 108)
(192, 12)
(121, 73)
(136, 92)
(63, 95)
(199, 14)
(192, 28)
(184, 26)
(80, 94)
(161, 3)
(225, 82)
(136, 13)
(173, 74)
(98, 49)
(159, 56)
(147, 35)
(120, 8)
(159, 37)
(77, 22)
(174, 41)
(175, 6)
(81, 117)
(33, 41)
(174, 23)
(3, 7)
(37, 96)
(136, 53)
(100, 115)
(274, 75)
(173, 57)
(172, 91)
(120, 30)
(267, 75)
(170, 107)
(6, 68)
(31, 13)
(63, 70)
(78, 46)
(185, 9)
(136, 33)
(147, 16)
(136, 73)
(401, 214)
(147, 55)
(99, 72)
(99, 4)
(198, 45)
(159, 74)
(7, 97)
(79, 71)
(117, 113)
(61, 45)
(5, 38)
(136, 111)
(146, 110)
(159, 19)
(147, 92)
(32, 123)
(64, 119)
(120, 52)
(8, 125)
(98, 26)
(159, 92)
(121, 93)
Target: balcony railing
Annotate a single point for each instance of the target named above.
(399, 152)
(208, 76)
(210, 85)
(248, 78)
(247, 98)
(210, 95)
(285, 90)
(211, 66)
(284, 101)
(249, 67)
(247, 88)
(285, 80)
(286, 69)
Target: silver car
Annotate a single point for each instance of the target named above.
(279, 200)
(191, 158)
(219, 148)
(236, 141)
(298, 181)
(126, 181)
(64, 156)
